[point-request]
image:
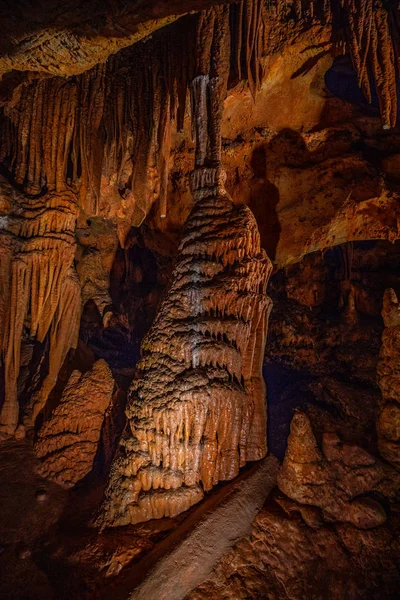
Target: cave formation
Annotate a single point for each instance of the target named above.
(199, 314)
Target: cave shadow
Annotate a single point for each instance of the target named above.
(286, 149)
(342, 93)
(264, 199)
(287, 390)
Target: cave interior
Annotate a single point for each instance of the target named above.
(199, 299)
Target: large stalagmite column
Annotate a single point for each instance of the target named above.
(197, 412)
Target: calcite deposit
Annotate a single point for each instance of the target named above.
(197, 412)
(40, 292)
(67, 442)
(336, 480)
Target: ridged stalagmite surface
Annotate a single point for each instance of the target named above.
(197, 413)
(67, 442)
(389, 381)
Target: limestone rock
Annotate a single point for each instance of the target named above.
(42, 294)
(388, 426)
(67, 442)
(285, 558)
(71, 38)
(335, 479)
(197, 413)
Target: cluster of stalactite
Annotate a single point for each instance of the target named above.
(39, 152)
(116, 118)
(41, 292)
(43, 148)
(370, 31)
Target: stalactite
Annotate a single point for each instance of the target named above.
(371, 48)
(368, 29)
(44, 293)
(247, 38)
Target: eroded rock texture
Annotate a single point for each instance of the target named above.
(67, 442)
(335, 479)
(388, 426)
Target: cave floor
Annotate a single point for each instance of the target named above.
(49, 550)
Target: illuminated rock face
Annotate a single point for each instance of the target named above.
(67, 442)
(198, 411)
(336, 480)
(388, 426)
(41, 292)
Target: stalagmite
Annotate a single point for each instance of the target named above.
(67, 441)
(197, 412)
(337, 480)
(388, 425)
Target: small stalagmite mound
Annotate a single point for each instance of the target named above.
(67, 443)
(337, 479)
(388, 426)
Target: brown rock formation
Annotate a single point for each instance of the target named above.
(67, 442)
(335, 478)
(71, 38)
(197, 413)
(388, 425)
(285, 558)
(38, 138)
(41, 291)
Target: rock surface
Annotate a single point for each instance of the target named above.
(197, 413)
(336, 480)
(388, 425)
(67, 443)
(285, 558)
(206, 541)
(71, 38)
